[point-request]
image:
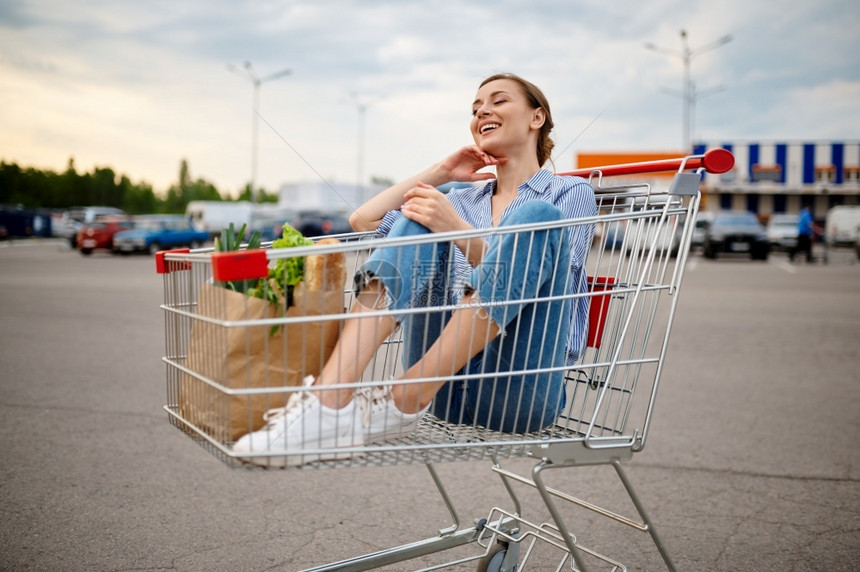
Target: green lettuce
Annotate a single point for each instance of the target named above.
(288, 272)
(285, 274)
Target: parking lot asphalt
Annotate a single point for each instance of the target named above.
(752, 464)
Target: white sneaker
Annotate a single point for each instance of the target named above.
(302, 424)
(380, 418)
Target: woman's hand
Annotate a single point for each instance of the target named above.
(462, 165)
(426, 205)
(430, 207)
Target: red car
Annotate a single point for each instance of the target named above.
(99, 234)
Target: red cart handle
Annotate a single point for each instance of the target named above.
(714, 161)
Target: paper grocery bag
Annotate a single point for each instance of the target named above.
(252, 356)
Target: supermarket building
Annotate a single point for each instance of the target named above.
(769, 177)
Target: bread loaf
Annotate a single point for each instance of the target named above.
(325, 271)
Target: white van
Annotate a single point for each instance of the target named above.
(841, 226)
(212, 216)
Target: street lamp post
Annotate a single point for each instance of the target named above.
(695, 94)
(247, 71)
(361, 106)
(688, 93)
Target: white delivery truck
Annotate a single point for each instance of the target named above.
(212, 216)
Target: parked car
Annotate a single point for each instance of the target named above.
(738, 233)
(99, 234)
(782, 231)
(154, 233)
(76, 217)
(841, 225)
(857, 243)
(703, 219)
(317, 223)
(269, 228)
(613, 235)
(19, 221)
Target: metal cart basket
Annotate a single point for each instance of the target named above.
(233, 361)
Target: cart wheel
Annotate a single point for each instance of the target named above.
(494, 559)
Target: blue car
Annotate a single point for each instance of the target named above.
(154, 233)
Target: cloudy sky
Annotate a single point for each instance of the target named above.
(138, 86)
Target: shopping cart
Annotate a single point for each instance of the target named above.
(226, 362)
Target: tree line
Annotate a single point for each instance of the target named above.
(45, 189)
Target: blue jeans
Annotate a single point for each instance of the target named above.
(516, 269)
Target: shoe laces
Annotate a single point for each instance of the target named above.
(295, 403)
(370, 400)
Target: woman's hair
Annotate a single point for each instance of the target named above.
(536, 100)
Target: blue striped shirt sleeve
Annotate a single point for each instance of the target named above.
(387, 222)
(577, 201)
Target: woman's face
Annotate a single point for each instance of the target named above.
(503, 122)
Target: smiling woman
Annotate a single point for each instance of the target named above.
(498, 98)
(511, 124)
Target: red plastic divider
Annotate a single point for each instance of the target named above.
(163, 266)
(598, 308)
(240, 265)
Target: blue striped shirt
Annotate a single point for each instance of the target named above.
(573, 196)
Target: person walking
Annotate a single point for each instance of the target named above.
(805, 235)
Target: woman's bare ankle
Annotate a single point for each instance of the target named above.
(411, 399)
(335, 398)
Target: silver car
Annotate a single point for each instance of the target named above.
(703, 219)
(782, 231)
